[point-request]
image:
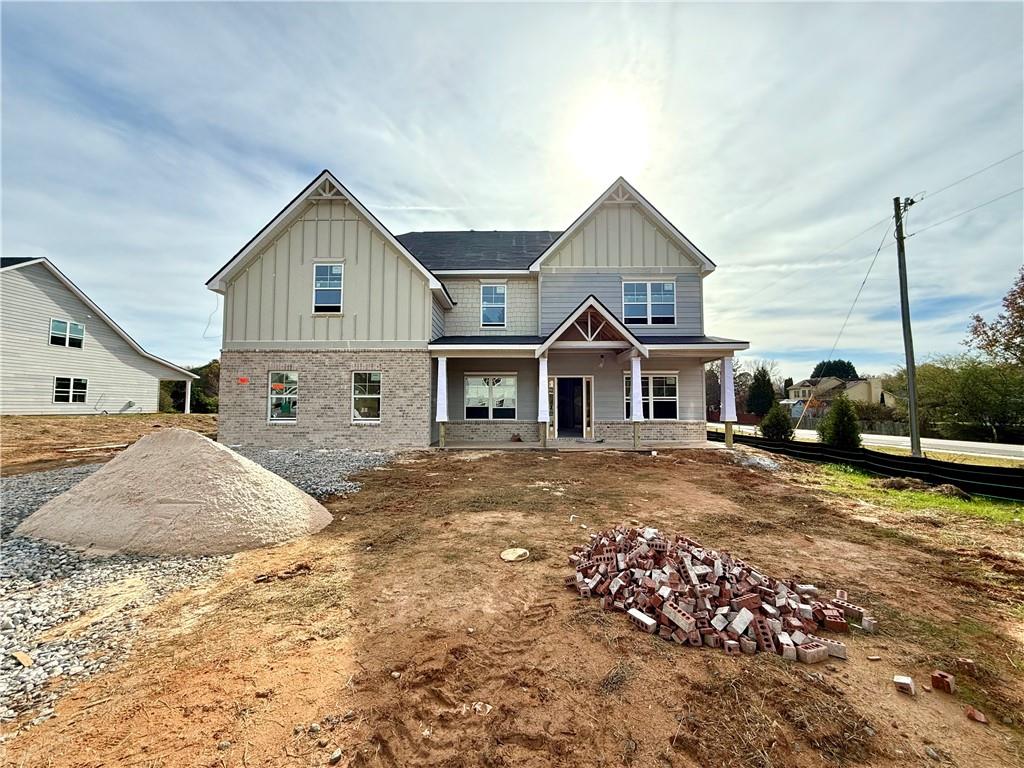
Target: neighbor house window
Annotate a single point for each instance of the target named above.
(490, 397)
(649, 303)
(659, 394)
(64, 333)
(69, 390)
(492, 306)
(283, 395)
(327, 285)
(365, 396)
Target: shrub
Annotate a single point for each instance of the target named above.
(840, 427)
(776, 424)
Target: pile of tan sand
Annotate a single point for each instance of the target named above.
(176, 492)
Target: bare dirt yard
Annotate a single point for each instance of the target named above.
(29, 443)
(407, 641)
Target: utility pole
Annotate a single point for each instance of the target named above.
(908, 338)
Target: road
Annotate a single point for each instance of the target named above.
(1000, 450)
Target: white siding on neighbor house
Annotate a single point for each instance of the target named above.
(117, 374)
(268, 303)
(520, 307)
(563, 290)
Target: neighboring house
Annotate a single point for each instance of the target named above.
(827, 388)
(61, 354)
(338, 333)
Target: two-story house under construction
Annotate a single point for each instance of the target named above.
(338, 333)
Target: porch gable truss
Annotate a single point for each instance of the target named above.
(592, 326)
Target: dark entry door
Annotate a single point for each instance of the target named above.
(570, 407)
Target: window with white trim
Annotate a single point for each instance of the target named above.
(659, 394)
(649, 303)
(490, 397)
(366, 396)
(64, 333)
(492, 306)
(328, 280)
(67, 389)
(283, 396)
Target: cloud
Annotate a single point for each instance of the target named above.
(144, 143)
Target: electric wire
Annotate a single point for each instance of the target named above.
(926, 194)
(964, 213)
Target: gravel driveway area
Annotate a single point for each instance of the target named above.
(72, 615)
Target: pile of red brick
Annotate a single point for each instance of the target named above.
(697, 596)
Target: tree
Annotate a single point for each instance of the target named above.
(1002, 340)
(205, 390)
(761, 395)
(776, 424)
(713, 385)
(841, 369)
(787, 384)
(840, 427)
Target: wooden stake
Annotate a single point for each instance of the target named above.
(728, 434)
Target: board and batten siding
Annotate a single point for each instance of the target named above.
(386, 300)
(520, 307)
(120, 379)
(563, 291)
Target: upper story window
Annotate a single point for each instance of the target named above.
(649, 303)
(492, 306)
(283, 398)
(64, 333)
(327, 286)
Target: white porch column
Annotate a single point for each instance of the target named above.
(188, 395)
(636, 399)
(441, 414)
(728, 410)
(543, 413)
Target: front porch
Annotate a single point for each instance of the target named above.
(565, 445)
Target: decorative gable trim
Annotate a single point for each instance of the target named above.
(324, 187)
(43, 262)
(592, 302)
(621, 192)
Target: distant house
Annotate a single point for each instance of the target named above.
(825, 389)
(62, 354)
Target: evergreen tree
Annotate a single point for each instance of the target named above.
(840, 427)
(776, 424)
(787, 384)
(761, 395)
(841, 369)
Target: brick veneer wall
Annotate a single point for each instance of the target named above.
(652, 431)
(325, 399)
(492, 431)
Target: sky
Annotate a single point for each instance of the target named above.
(144, 144)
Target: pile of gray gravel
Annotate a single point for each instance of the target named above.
(45, 585)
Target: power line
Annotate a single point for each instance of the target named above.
(969, 210)
(970, 176)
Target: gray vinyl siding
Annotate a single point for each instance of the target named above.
(436, 319)
(561, 291)
(117, 374)
(386, 300)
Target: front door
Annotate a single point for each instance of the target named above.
(570, 407)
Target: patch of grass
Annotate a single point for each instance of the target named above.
(848, 481)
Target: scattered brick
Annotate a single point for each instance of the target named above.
(686, 593)
(943, 681)
(975, 715)
(905, 684)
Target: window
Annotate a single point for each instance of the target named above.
(492, 306)
(659, 394)
(327, 284)
(284, 395)
(649, 303)
(69, 390)
(490, 397)
(64, 333)
(365, 396)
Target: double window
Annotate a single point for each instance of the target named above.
(490, 397)
(366, 396)
(283, 396)
(328, 281)
(660, 396)
(492, 306)
(64, 333)
(649, 303)
(67, 389)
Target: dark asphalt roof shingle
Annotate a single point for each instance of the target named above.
(477, 250)
(10, 261)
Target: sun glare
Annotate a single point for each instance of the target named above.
(610, 134)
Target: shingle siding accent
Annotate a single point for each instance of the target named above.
(325, 400)
(563, 291)
(436, 319)
(520, 308)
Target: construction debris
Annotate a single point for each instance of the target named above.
(905, 684)
(943, 681)
(682, 591)
(975, 715)
(514, 554)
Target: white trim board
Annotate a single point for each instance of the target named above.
(591, 302)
